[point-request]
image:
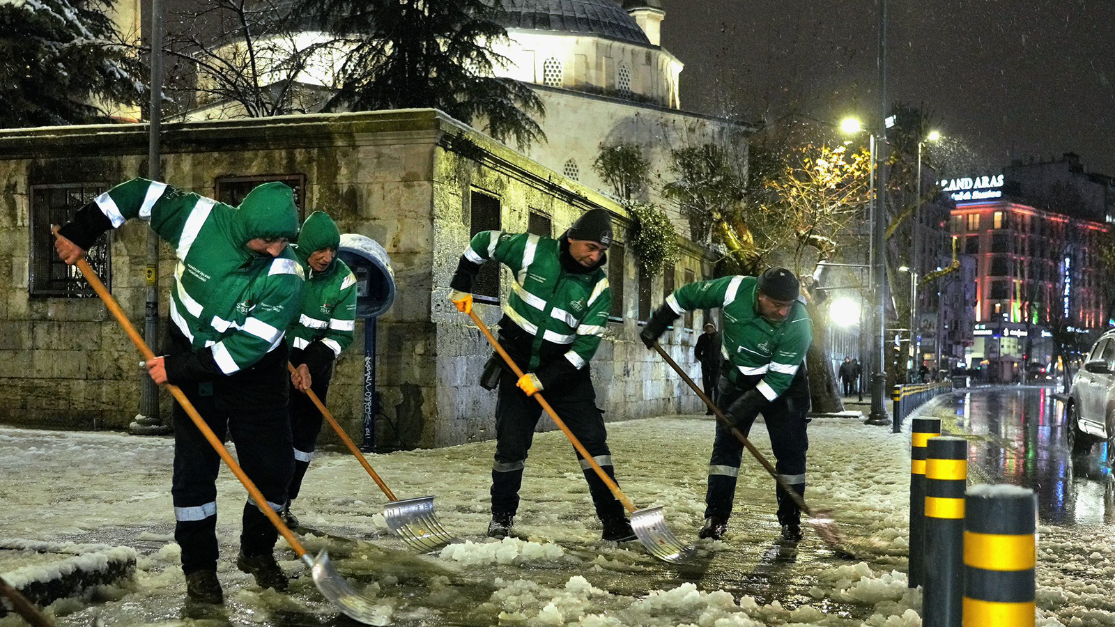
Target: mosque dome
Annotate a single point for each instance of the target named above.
(603, 18)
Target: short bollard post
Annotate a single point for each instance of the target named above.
(896, 415)
(1000, 554)
(920, 431)
(946, 478)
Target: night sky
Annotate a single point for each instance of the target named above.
(1016, 78)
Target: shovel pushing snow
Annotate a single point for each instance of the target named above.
(648, 524)
(331, 584)
(821, 520)
(413, 520)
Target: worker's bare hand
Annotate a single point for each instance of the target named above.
(301, 379)
(157, 369)
(67, 250)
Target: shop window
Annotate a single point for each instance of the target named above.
(231, 190)
(49, 275)
(551, 73)
(485, 216)
(539, 224)
(615, 280)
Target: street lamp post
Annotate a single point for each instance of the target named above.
(878, 414)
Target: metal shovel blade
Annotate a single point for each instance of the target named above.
(650, 527)
(415, 521)
(338, 592)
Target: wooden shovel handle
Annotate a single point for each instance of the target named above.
(180, 396)
(348, 442)
(553, 416)
(23, 607)
(794, 496)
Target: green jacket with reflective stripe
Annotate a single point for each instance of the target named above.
(753, 345)
(226, 300)
(328, 310)
(546, 301)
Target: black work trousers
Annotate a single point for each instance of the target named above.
(251, 407)
(786, 420)
(305, 423)
(574, 401)
(710, 378)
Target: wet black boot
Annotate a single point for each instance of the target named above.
(267, 572)
(204, 587)
(714, 529)
(500, 526)
(618, 530)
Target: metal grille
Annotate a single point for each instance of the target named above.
(231, 190)
(615, 281)
(624, 84)
(484, 215)
(551, 72)
(49, 275)
(571, 171)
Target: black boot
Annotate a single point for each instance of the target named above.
(289, 518)
(265, 569)
(501, 524)
(791, 532)
(204, 587)
(714, 529)
(618, 530)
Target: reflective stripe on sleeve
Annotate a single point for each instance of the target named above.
(783, 368)
(224, 360)
(471, 255)
(564, 316)
(180, 322)
(342, 325)
(557, 338)
(528, 298)
(528, 257)
(198, 216)
(108, 207)
(333, 345)
(494, 235)
(262, 330)
(591, 329)
(601, 285)
(672, 301)
(301, 342)
(154, 192)
(284, 266)
(733, 288)
(575, 359)
(188, 301)
(753, 371)
(767, 391)
(312, 323)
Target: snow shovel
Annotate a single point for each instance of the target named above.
(821, 520)
(648, 524)
(413, 520)
(332, 585)
(23, 607)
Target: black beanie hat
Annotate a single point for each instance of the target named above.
(594, 226)
(779, 284)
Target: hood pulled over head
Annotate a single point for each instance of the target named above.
(319, 232)
(267, 212)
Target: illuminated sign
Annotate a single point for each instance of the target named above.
(974, 188)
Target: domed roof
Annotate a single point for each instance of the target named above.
(605, 18)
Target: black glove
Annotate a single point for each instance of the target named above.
(743, 411)
(657, 325)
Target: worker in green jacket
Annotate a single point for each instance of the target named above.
(553, 322)
(235, 293)
(765, 335)
(323, 328)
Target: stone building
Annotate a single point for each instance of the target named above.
(415, 181)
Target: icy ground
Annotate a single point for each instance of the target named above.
(115, 489)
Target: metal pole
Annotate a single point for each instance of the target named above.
(915, 306)
(148, 422)
(915, 340)
(370, 400)
(879, 377)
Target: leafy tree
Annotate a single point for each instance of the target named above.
(58, 58)
(421, 53)
(624, 167)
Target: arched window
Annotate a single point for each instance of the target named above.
(571, 170)
(551, 72)
(623, 83)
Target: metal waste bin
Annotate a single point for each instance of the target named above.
(375, 292)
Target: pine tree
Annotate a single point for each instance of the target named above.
(57, 57)
(429, 53)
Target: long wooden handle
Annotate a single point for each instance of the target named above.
(800, 502)
(553, 416)
(180, 396)
(348, 442)
(23, 607)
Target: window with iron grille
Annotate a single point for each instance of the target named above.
(623, 84)
(571, 170)
(645, 296)
(484, 216)
(539, 224)
(615, 280)
(551, 72)
(231, 190)
(49, 275)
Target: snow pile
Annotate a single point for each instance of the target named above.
(507, 551)
(90, 559)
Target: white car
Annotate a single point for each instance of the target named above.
(1090, 414)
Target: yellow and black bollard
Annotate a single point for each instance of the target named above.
(896, 414)
(946, 478)
(1000, 553)
(921, 431)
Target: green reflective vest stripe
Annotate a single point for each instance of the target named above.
(546, 301)
(753, 345)
(225, 298)
(328, 309)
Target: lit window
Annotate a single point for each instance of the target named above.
(998, 220)
(551, 72)
(973, 221)
(624, 82)
(571, 170)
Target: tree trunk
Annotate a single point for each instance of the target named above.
(824, 395)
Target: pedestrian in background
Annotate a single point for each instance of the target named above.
(708, 355)
(847, 374)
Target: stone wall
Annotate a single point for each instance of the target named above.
(403, 178)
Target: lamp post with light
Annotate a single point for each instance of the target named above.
(916, 261)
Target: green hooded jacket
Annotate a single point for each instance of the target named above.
(327, 317)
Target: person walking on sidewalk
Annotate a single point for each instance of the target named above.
(708, 355)
(765, 336)
(552, 325)
(847, 374)
(323, 328)
(236, 292)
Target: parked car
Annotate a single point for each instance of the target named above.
(1090, 412)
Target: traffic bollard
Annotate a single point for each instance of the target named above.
(1000, 553)
(896, 414)
(946, 478)
(921, 431)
